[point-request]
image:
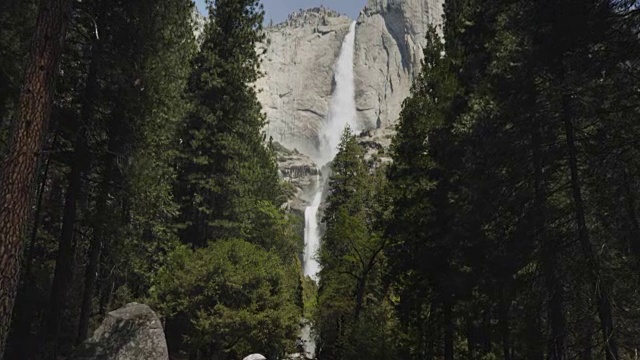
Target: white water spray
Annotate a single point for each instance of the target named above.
(342, 112)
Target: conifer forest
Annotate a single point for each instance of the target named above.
(501, 221)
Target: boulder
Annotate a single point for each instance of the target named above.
(133, 332)
(255, 357)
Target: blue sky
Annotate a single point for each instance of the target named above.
(279, 9)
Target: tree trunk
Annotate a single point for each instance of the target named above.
(25, 309)
(100, 248)
(555, 314)
(602, 299)
(471, 339)
(90, 280)
(486, 332)
(585, 326)
(19, 169)
(429, 337)
(96, 241)
(36, 219)
(95, 251)
(360, 290)
(449, 329)
(505, 327)
(557, 350)
(634, 238)
(63, 275)
(534, 337)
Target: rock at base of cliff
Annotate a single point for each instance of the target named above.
(133, 332)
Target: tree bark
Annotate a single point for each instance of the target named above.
(20, 166)
(25, 308)
(36, 218)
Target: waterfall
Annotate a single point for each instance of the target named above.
(312, 233)
(342, 112)
(342, 108)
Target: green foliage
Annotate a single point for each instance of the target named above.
(235, 297)
(17, 20)
(506, 227)
(225, 167)
(165, 59)
(309, 296)
(351, 258)
(494, 188)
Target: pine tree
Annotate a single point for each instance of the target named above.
(351, 255)
(244, 306)
(499, 181)
(224, 167)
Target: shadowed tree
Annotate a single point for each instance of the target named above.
(19, 169)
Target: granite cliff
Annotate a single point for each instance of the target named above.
(299, 55)
(298, 75)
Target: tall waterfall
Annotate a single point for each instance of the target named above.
(342, 112)
(342, 108)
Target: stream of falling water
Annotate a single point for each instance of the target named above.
(342, 112)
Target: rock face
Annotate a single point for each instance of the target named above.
(296, 168)
(298, 81)
(301, 172)
(300, 54)
(390, 37)
(376, 143)
(133, 332)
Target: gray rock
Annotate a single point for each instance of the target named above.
(132, 332)
(300, 53)
(299, 170)
(390, 38)
(298, 67)
(255, 357)
(376, 144)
